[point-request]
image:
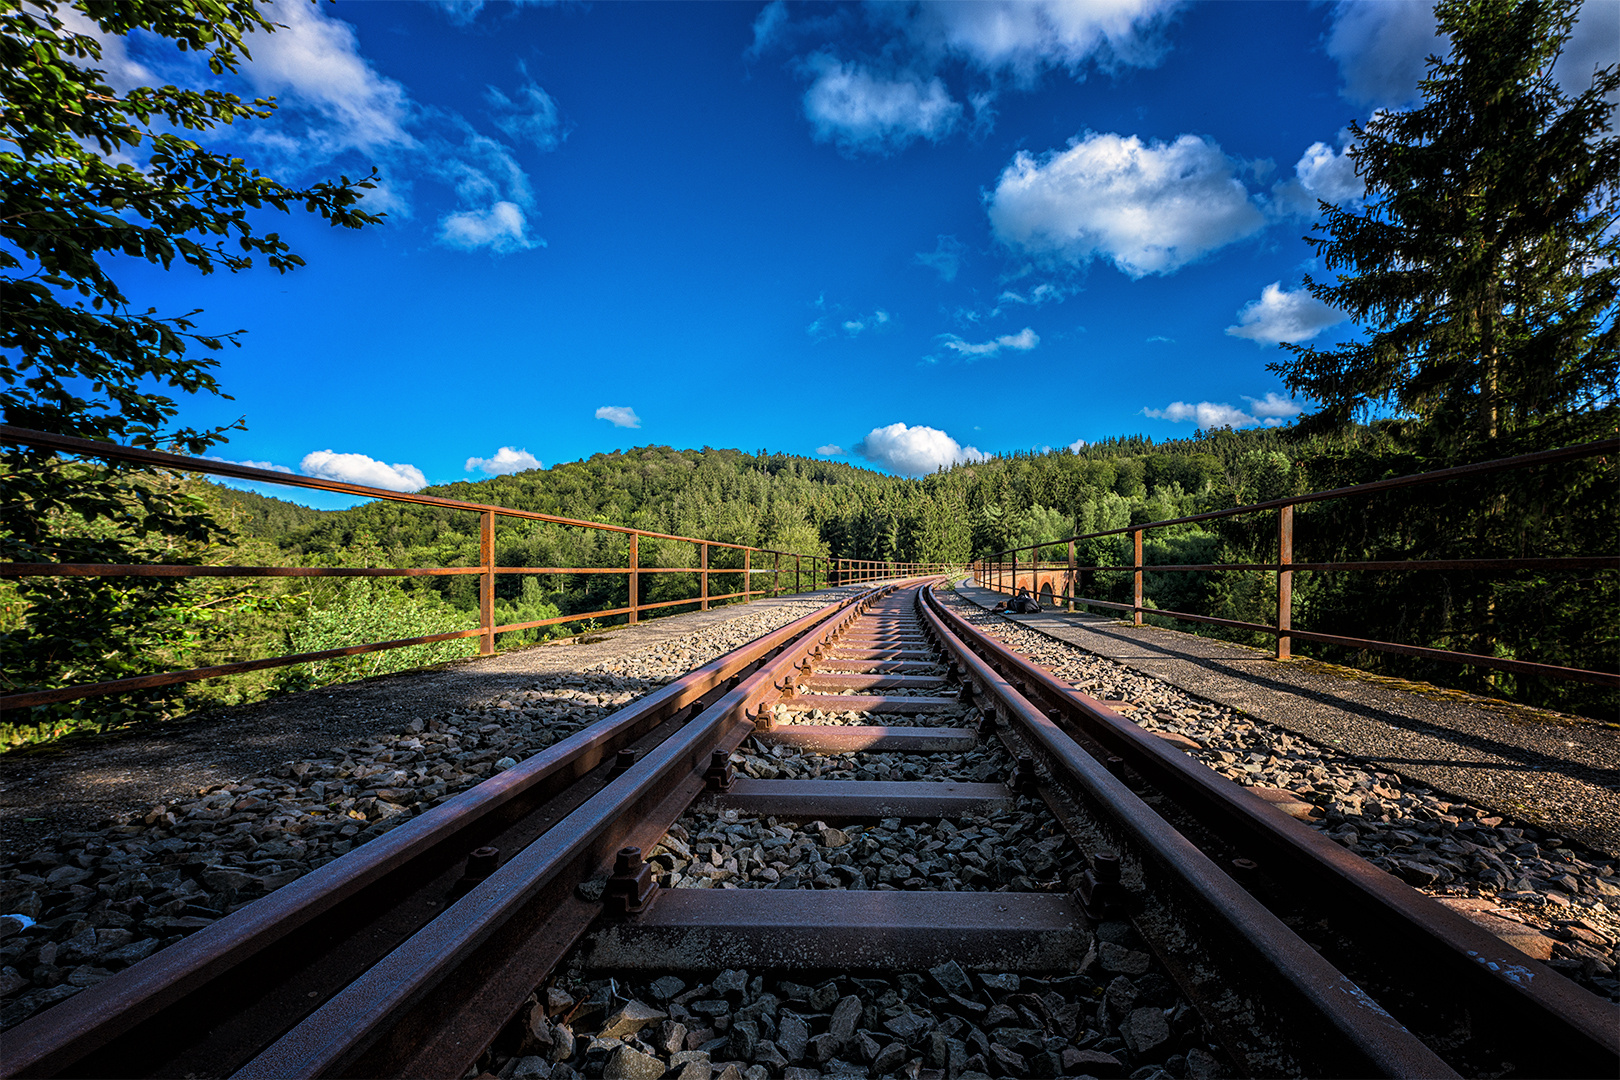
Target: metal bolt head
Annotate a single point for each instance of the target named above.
(627, 860)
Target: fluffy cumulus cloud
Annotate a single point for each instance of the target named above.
(503, 462)
(913, 451)
(1150, 208)
(360, 469)
(1026, 37)
(501, 227)
(1273, 410)
(1023, 341)
(619, 416)
(314, 66)
(996, 41)
(864, 112)
(945, 259)
(1321, 174)
(1280, 315)
(1380, 49)
(831, 450)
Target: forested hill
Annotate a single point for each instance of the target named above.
(815, 506)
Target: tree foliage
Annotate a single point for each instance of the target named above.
(91, 174)
(1485, 265)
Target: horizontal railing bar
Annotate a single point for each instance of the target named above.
(1571, 562)
(31, 698)
(1524, 667)
(16, 570)
(159, 459)
(1542, 457)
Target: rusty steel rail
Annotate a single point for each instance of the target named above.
(993, 570)
(272, 957)
(431, 1006)
(822, 570)
(1568, 1031)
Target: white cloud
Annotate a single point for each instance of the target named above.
(270, 465)
(1150, 208)
(877, 320)
(768, 27)
(506, 460)
(996, 40)
(529, 116)
(1273, 410)
(360, 469)
(1324, 174)
(1207, 413)
(1274, 407)
(619, 416)
(1078, 445)
(1040, 294)
(831, 450)
(945, 259)
(1590, 46)
(1026, 37)
(861, 112)
(121, 71)
(1023, 341)
(1284, 316)
(313, 64)
(914, 451)
(1380, 49)
(502, 228)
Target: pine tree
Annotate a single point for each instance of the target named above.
(1485, 264)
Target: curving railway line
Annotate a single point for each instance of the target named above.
(872, 842)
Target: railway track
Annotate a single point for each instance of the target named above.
(872, 842)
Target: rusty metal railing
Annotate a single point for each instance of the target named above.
(815, 571)
(1000, 571)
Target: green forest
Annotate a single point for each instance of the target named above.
(822, 508)
(1481, 272)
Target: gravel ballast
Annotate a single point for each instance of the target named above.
(1551, 897)
(80, 903)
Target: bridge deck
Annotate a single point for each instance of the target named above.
(1556, 771)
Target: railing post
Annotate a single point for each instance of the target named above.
(776, 573)
(1285, 579)
(635, 579)
(796, 589)
(486, 583)
(1136, 585)
(703, 575)
(748, 575)
(1014, 590)
(1074, 578)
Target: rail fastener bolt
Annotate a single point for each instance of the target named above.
(720, 773)
(481, 862)
(1024, 778)
(1100, 894)
(622, 762)
(631, 887)
(987, 719)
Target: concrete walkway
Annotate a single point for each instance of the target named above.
(1558, 772)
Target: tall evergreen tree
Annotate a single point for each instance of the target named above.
(1486, 262)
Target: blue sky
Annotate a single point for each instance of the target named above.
(896, 235)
